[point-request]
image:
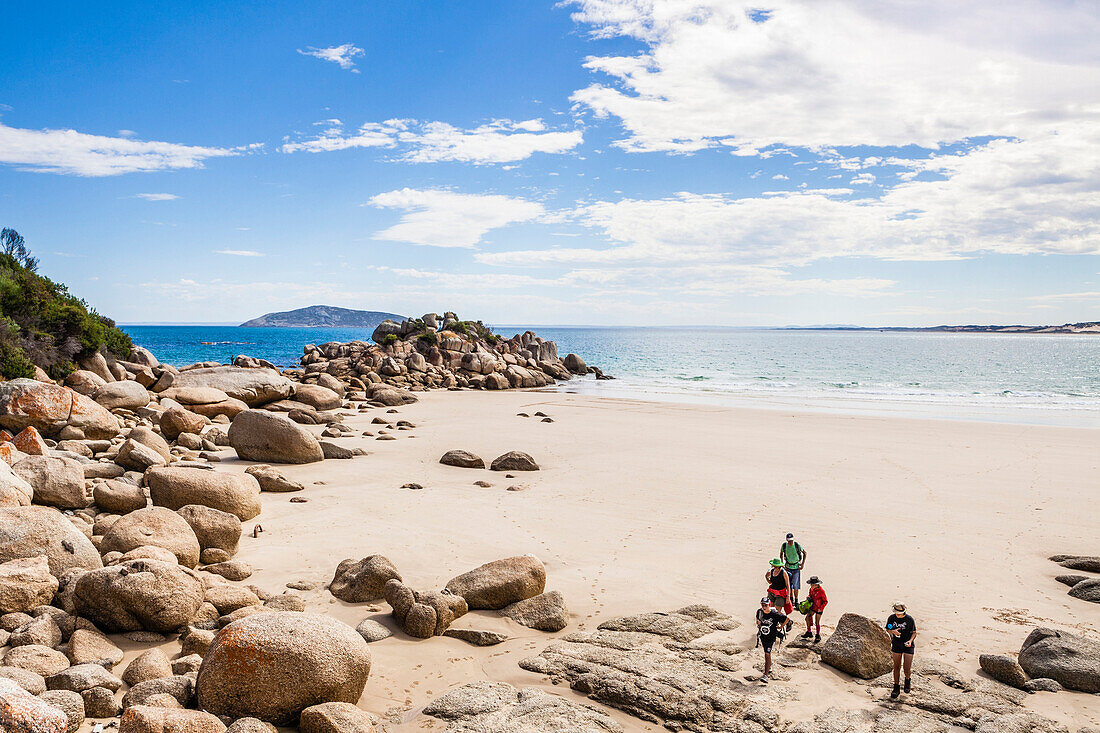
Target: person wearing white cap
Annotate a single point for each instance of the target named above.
(769, 628)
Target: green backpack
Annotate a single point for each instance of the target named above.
(805, 606)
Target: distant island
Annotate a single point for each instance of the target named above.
(1088, 327)
(322, 316)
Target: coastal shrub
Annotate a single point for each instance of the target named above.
(461, 328)
(429, 338)
(43, 323)
(389, 338)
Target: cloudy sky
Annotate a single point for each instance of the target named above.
(584, 162)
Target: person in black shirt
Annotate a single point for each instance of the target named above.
(903, 629)
(769, 628)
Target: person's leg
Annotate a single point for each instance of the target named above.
(908, 670)
(897, 675)
(809, 624)
(796, 583)
(767, 663)
(817, 621)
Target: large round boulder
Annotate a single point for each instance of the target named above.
(122, 396)
(258, 435)
(514, 460)
(1071, 660)
(500, 583)
(158, 719)
(139, 595)
(31, 531)
(56, 482)
(272, 666)
(48, 407)
(176, 420)
(176, 487)
(462, 459)
(153, 526)
(84, 382)
(213, 527)
(118, 497)
(859, 646)
(317, 397)
(151, 439)
(22, 712)
(254, 387)
(362, 581)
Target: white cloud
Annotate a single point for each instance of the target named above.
(156, 196)
(81, 154)
(447, 219)
(846, 72)
(341, 55)
(239, 252)
(500, 141)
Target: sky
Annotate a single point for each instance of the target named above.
(604, 162)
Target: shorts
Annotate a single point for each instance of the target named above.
(767, 642)
(796, 579)
(897, 646)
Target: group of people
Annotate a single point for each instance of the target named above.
(773, 621)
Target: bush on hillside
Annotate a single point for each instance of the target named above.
(42, 323)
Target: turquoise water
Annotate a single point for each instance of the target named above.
(1026, 378)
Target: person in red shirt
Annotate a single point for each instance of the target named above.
(820, 600)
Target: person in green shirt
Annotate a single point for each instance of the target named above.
(794, 559)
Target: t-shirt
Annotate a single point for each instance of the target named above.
(791, 554)
(770, 622)
(906, 625)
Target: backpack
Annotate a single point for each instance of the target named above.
(783, 552)
(805, 606)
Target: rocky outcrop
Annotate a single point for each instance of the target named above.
(1071, 660)
(497, 584)
(362, 581)
(478, 707)
(423, 614)
(149, 719)
(213, 528)
(176, 487)
(37, 530)
(1004, 668)
(263, 436)
(124, 395)
(254, 387)
(14, 489)
(858, 646)
(272, 666)
(1087, 590)
(139, 594)
(661, 668)
(434, 352)
(1086, 563)
(335, 717)
(273, 480)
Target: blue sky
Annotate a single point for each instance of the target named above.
(590, 162)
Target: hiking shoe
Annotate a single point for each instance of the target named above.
(807, 635)
(895, 693)
(817, 639)
(790, 625)
(908, 685)
(764, 679)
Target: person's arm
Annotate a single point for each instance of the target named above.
(914, 636)
(802, 564)
(892, 630)
(787, 580)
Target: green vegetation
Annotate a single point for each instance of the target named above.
(430, 338)
(41, 323)
(389, 338)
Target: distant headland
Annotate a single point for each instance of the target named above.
(322, 316)
(1088, 327)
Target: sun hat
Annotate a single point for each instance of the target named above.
(899, 606)
(814, 580)
(776, 562)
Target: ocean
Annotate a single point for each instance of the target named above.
(1035, 379)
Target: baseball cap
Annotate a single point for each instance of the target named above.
(765, 601)
(790, 536)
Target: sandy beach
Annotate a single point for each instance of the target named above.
(644, 506)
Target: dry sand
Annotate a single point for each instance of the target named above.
(645, 506)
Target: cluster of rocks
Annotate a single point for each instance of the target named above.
(1049, 660)
(1083, 587)
(442, 352)
(515, 586)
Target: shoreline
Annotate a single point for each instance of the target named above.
(644, 506)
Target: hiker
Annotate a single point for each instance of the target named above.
(769, 629)
(903, 629)
(815, 603)
(779, 586)
(794, 559)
